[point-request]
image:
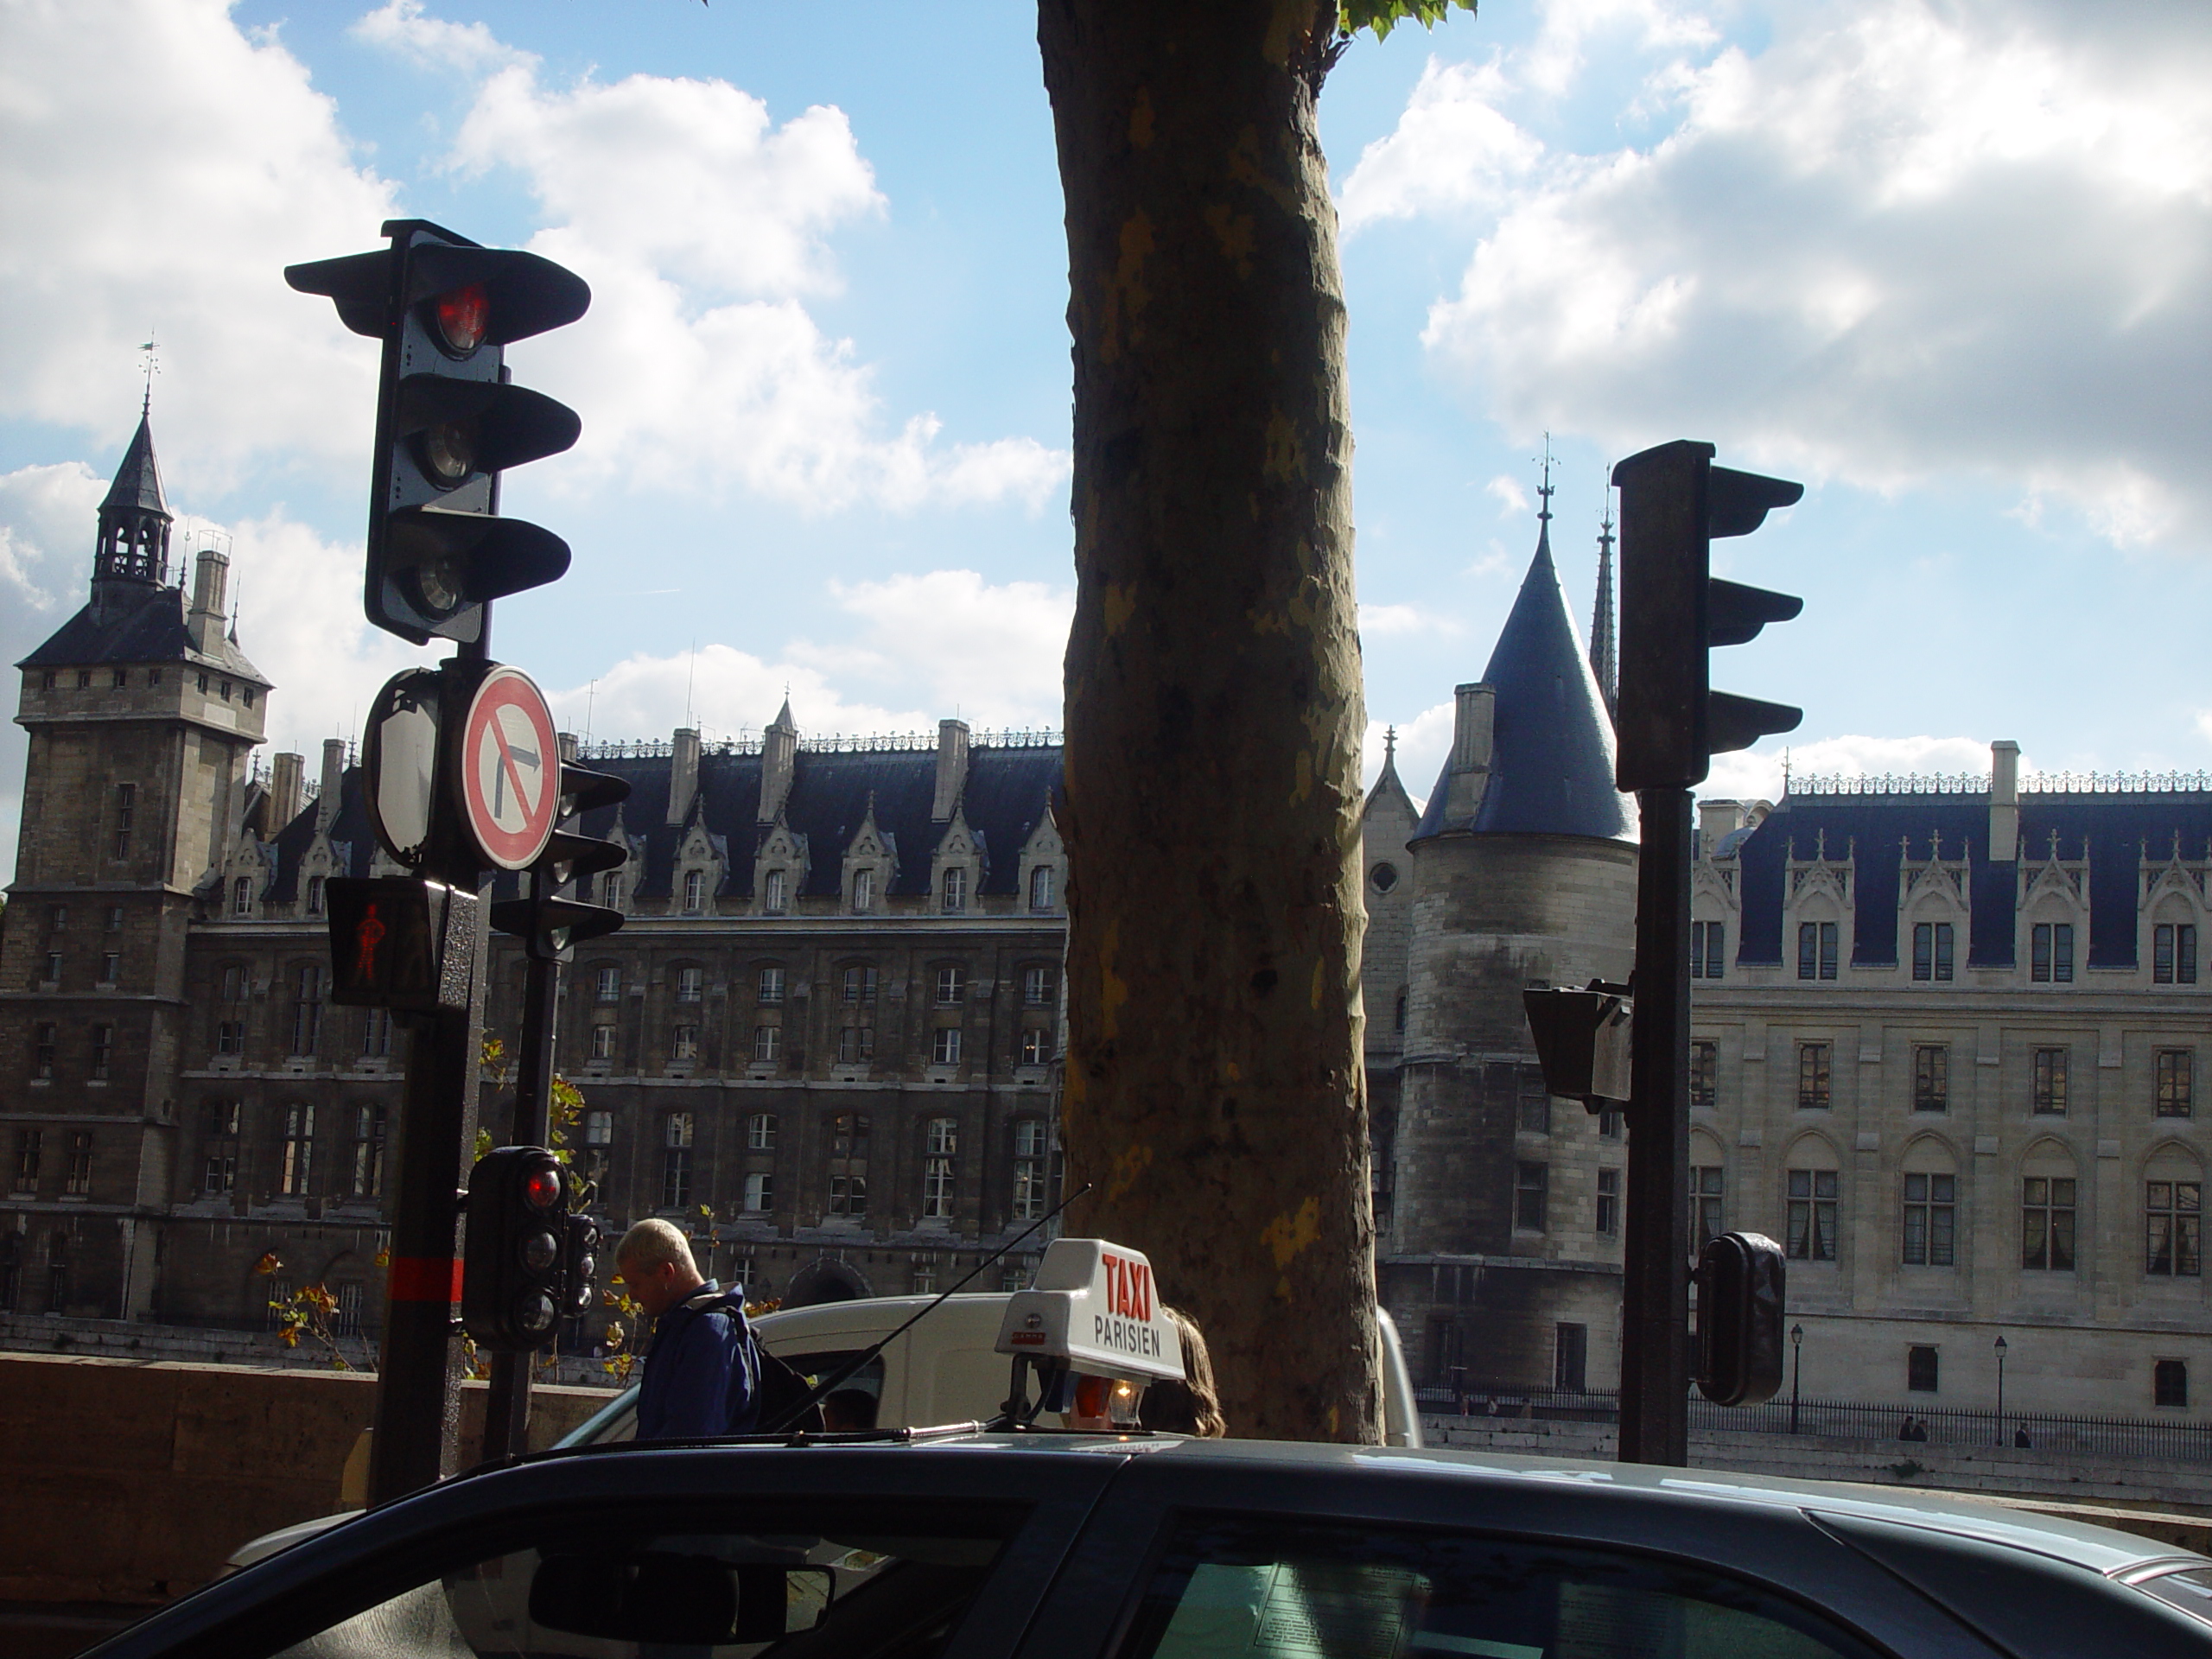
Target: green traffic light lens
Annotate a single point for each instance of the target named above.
(449, 452)
(535, 1314)
(437, 588)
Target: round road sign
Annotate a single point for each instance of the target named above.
(510, 769)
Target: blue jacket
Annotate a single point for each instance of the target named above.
(703, 1373)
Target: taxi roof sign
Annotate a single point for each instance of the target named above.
(1093, 1306)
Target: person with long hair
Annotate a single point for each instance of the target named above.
(1190, 1407)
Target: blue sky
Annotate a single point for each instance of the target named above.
(1947, 264)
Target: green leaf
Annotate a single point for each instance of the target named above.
(1384, 16)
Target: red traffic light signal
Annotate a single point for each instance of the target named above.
(400, 942)
(450, 421)
(515, 1285)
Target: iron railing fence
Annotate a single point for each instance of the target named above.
(2059, 1433)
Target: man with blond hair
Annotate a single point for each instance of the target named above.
(703, 1372)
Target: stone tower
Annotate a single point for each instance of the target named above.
(1502, 1258)
(142, 713)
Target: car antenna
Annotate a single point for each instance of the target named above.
(851, 1368)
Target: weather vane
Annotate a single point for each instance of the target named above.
(153, 368)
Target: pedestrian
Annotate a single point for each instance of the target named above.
(703, 1372)
(1191, 1407)
(1904, 1429)
(2020, 1437)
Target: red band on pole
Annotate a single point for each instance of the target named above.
(424, 1279)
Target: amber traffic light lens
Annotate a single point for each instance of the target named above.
(449, 452)
(462, 315)
(437, 588)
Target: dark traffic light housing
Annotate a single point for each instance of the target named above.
(548, 922)
(1670, 722)
(1742, 1285)
(516, 1275)
(1584, 1039)
(449, 420)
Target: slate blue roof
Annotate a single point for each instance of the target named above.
(138, 480)
(1552, 755)
(138, 625)
(2116, 833)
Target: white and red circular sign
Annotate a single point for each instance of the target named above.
(510, 769)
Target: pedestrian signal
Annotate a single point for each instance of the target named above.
(399, 941)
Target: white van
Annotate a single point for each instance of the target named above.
(947, 1369)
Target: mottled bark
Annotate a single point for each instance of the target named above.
(1214, 713)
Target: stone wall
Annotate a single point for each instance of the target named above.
(129, 1484)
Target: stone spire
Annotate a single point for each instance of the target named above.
(1603, 654)
(134, 544)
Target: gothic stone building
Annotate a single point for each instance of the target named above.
(832, 1019)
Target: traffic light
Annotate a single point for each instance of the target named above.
(515, 1285)
(449, 420)
(1669, 721)
(399, 941)
(580, 1266)
(548, 923)
(1583, 1041)
(1742, 1284)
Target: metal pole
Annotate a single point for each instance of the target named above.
(418, 1408)
(507, 1405)
(1654, 1325)
(2000, 1391)
(1796, 1370)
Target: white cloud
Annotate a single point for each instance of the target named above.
(1512, 500)
(401, 27)
(1902, 240)
(1758, 775)
(47, 516)
(724, 692)
(1423, 741)
(703, 227)
(161, 168)
(1381, 621)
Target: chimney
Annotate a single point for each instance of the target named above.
(209, 580)
(333, 772)
(1471, 730)
(778, 759)
(1716, 820)
(2004, 801)
(570, 748)
(951, 768)
(682, 774)
(286, 773)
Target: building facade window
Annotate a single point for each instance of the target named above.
(2173, 953)
(44, 1040)
(2170, 1382)
(684, 1044)
(940, 1152)
(2173, 1224)
(954, 890)
(860, 984)
(675, 1134)
(1040, 887)
(126, 812)
(760, 1132)
(103, 1051)
(315, 895)
(1027, 1201)
(1036, 1045)
(1705, 1074)
(607, 985)
(306, 1007)
(945, 1046)
(110, 967)
(1038, 987)
(2175, 1082)
(773, 896)
(771, 989)
(951, 986)
(375, 1033)
(78, 1184)
(855, 1045)
(1705, 1192)
(848, 1138)
(924, 1283)
(1570, 1358)
(2049, 1085)
(368, 1151)
(1609, 1202)
(218, 1148)
(690, 985)
(2051, 953)
(863, 890)
(2047, 1223)
(1814, 1070)
(29, 1151)
(602, 1042)
(1816, 949)
(760, 1192)
(767, 1042)
(1931, 1219)
(1920, 1369)
(297, 1169)
(695, 890)
(1707, 952)
(1931, 950)
(1531, 1187)
(1812, 1215)
(1533, 1114)
(241, 896)
(51, 974)
(1932, 1078)
(599, 1142)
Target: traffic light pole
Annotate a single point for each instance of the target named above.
(506, 1408)
(1654, 1325)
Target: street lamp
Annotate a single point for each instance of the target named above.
(2000, 1391)
(1796, 1370)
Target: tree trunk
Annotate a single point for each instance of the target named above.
(1214, 1089)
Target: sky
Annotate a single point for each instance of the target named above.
(1949, 264)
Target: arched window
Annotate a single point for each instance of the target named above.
(1928, 1227)
(2173, 1215)
(1811, 1188)
(2050, 1193)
